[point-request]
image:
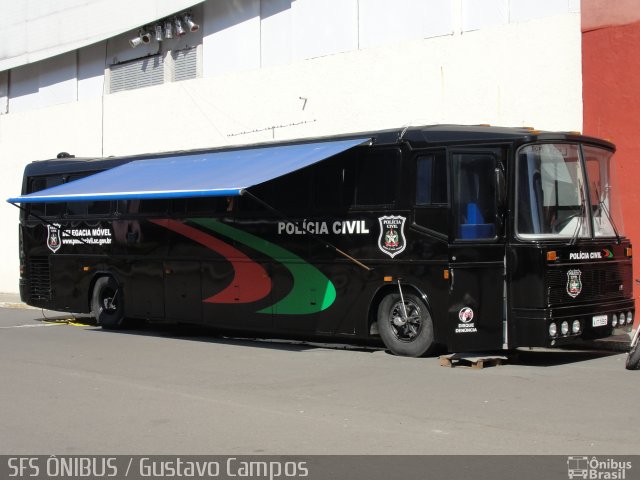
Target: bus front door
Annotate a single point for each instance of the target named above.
(475, 318)
(476, 254)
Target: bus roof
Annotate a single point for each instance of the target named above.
(417, 136)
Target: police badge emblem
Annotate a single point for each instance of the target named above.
(392, 240)
(574, 283)
(53, 237)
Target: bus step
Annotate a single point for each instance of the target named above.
(471, 360)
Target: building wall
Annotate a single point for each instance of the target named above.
(611, 82)
(272, 70)
(40, 29)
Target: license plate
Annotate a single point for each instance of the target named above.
(599, 321)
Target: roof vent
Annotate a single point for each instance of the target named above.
(65, 155)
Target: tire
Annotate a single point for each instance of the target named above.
(633, 359)
(412, 338)
(106, 303)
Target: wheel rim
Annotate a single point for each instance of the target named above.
(406, 330)
(108, 301)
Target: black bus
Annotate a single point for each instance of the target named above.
(469, 238)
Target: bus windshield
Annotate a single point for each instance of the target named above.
(604, 192)
(552, 192)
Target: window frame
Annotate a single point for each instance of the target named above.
(497, 153)
(427, 216)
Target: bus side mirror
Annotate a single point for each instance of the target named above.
(501, 188)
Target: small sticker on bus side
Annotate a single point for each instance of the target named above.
(465, 315)
(392, 240)
(53, 237)
(574, 283)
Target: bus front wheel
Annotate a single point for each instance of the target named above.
(633, 359)
(407, 329)
(106, 303)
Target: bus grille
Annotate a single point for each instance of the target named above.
(39, 278)
(599, 282)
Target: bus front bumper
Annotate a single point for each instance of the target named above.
(566, 325)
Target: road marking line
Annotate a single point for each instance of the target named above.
(14, 305)
(35, 325)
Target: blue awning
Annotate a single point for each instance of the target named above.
(222, 173)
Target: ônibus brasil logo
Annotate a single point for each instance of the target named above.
(391, 240)
(595, 468)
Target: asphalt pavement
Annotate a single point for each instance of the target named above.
(68, 387)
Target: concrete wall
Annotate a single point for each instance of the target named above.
(510, 74)
(36, 30)
(478, 77)
(611, 73)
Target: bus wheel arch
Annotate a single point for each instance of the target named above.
(412, 336)
(107, 302)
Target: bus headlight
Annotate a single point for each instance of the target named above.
(564, 327)
(629, 318)
(614, 320)
(575, 326)
(553, 329)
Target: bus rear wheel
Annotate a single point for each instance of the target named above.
(106, 303)
(405, 330)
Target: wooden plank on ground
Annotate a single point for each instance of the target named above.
(474, 360)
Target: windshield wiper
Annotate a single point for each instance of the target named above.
(604, 208)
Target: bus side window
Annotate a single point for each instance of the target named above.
(289, 195)
(198, 206)
(153, 206)
(36, 184)
(475, 204)
(431, 193)
(333, 183)
(376, 177)
(431, 180)
(46, 209)
(102, 207)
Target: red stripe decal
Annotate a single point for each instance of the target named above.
(250, 281)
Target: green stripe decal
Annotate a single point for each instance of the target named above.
(312, 291)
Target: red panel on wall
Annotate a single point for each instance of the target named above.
(611, 96)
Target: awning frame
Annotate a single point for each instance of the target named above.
(191, 175)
